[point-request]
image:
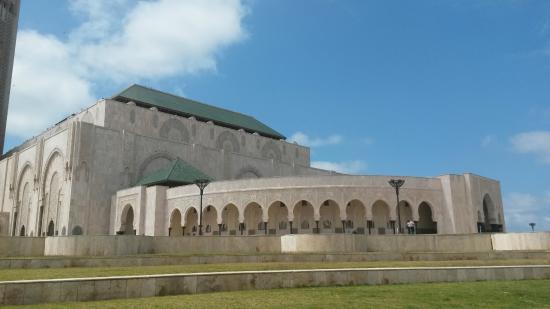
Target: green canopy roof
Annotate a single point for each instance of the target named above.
(174, 104)
(176, 173)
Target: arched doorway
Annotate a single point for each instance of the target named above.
(176, 228)
(356, 217)
(127, 221)
(22, 232)
(331, 221)
(491, 218)
(191, 222)
(230, 220)
(381, 218)
(304, 218)
(278, 219)
(426, 224)
(253, 219)
(51, 228)
(210, 221)
(406, 214)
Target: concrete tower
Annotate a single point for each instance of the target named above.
(9, 16)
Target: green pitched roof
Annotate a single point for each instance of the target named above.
(175, 104)
(176, 173)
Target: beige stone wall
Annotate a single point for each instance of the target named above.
(330, 202)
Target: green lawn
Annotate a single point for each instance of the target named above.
(82, 272)
(503, 294)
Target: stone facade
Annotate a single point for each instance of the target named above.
(450, 204)
(9, 16)
(62, 181)
(79, 176)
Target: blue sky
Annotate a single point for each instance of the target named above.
(419, 88)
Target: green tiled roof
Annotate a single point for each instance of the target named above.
(176, 173)
(170, 103)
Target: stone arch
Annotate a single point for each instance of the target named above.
(23, 197)
(228, 142)
(51, 228)
(63, 231)
(270, 150)
(248, 172)
(330, 217)
(381, 217)
(127, 220)
(253, 218)
(154, 163)
(22, 231)
(54, 163)
(406, 214)
(176, 227)
(304, 217)
(77, 230)
(491, 217)
(277, 218)
(174, 130)
(230, 219)
(426, 223)
(191, 222)
(209, 220)
(356, 215)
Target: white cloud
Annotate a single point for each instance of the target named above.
(45, 86)
(166, 38)
(348, 167)
(305, 140)
(524, 208)
(536, 143)
(119, 41)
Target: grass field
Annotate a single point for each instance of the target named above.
(503, 294)
(56, 273)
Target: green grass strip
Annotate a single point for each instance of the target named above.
(86, 272)
(501, 294)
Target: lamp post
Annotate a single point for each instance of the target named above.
(532, 225)
(201, 183)
(397, 183)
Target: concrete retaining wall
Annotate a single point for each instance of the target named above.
(521, 241)
(21, 246)
(430, 243)
(216, 244)
(98, 245)
(323, 243)
(152, 260)
(44, 291)
(330, 243)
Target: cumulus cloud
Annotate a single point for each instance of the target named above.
(348, 167)
(305, 140)
(524, 208)
(45, 86)
(118, 41)
(535, 142)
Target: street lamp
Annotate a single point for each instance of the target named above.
(201, 183)
(532, 225)
(397, 183)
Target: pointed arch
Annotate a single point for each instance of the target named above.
(176, 227)
(209, 220)
(356, 214)
(381, 217)
(253, 218)
(330, 217)
(277, 218)
(127, 220)
(230, 219)
(191, 222)
(426, 223)
(304, 217)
